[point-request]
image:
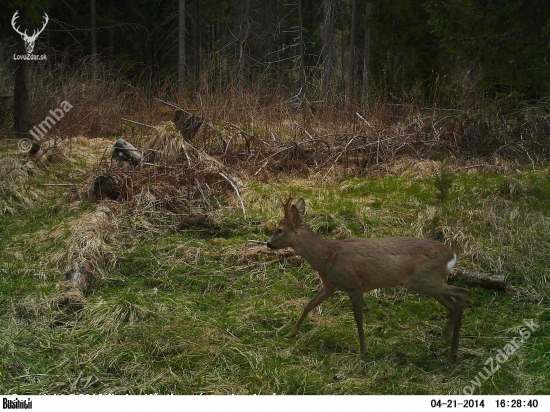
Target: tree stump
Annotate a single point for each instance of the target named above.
(187, 127)
(107, 186)
(124, 151)
(35, 148)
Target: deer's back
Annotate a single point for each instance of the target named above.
(368, 264)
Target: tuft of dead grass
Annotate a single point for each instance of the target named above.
(108, 317)
(15, 170)
(87, 240)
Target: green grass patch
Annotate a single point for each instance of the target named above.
(205, 312)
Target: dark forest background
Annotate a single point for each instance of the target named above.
(305, 49)
(469, 76)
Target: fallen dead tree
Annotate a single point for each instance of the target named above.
(189, 126)
(86, 250)
(362, 144)
(486, 280)
(86, 254)
(80, 275)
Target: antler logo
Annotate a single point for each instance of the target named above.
(29, 40)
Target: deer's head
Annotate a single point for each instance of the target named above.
(29, 40)
(286, 231)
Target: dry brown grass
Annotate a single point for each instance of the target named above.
(14, 172)
(263, 136)
(85, 238)
(175, 178)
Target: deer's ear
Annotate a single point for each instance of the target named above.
(295, 217)
(301, 206)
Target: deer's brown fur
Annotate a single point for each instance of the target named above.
(355, 266)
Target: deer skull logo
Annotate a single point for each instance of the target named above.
(29, 40)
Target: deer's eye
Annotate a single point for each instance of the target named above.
(279, 231)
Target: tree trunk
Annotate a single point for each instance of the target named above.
(124, 151)
(197, 39)
(301, 66)
(189, 126)
(107, 186)
(93, 27)
(328, 41)
(279, 52)
(270, 29)
(366, 57)
(21, 94)
(5, 107)
(181, 48)
(111, 39)
(352, 45)
(80, 274)
(243, 38)
(343, 62)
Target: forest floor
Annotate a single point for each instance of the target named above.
(205, 309)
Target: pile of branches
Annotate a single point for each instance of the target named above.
(179, 169)
(169, 174)
(383, 137)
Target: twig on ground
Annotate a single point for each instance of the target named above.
(236, 191)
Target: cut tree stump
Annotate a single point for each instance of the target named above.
(107, 186)
(124, 151)
(35, 148)
(189, 126)
(486, 280)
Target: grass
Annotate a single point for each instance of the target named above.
(206, 312)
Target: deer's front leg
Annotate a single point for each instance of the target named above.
(322, 294)
(357, 302)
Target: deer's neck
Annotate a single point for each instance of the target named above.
(312, 248)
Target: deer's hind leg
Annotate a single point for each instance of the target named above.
(438, 292)
(455, 300)
(455, 320)
(450, 306)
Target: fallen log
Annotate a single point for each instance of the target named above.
(486, 280)
(194, 222)
(124, 151)
(79, 275)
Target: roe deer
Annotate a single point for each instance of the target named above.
(355, 266)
